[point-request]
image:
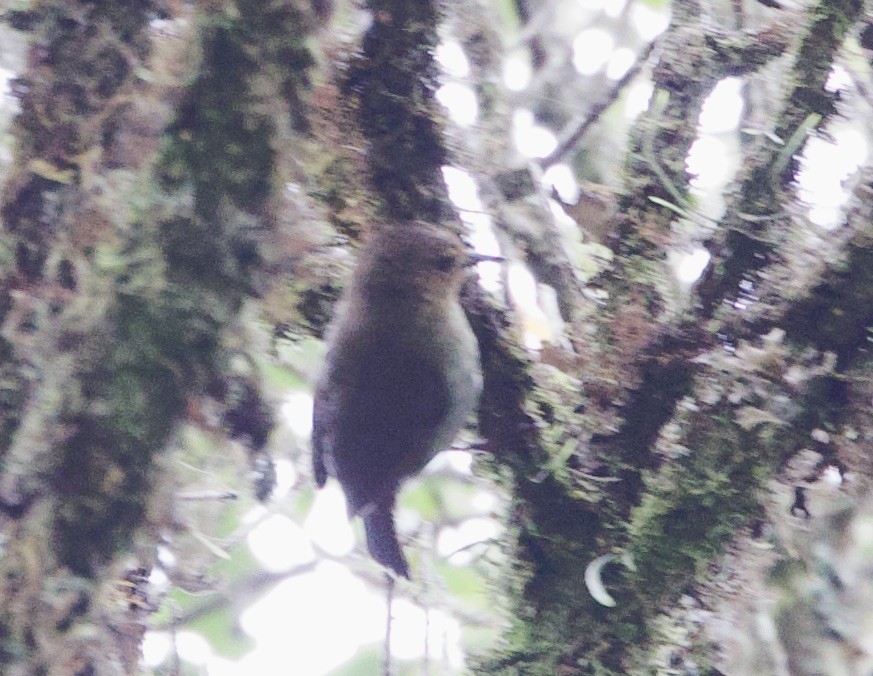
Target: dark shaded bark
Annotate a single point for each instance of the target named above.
(118, 308)
(648, 441)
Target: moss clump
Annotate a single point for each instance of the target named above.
(183, 274)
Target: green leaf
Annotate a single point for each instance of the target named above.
(669, 205)
(465, 584)
(219, 628)
(421, 498)
(366, 662)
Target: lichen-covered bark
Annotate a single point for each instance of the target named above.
(649, 441)
(78, 86)
(123, 329)
(691, 440)
(394, 83)
(757, 223)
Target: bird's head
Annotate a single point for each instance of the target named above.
(416, 259)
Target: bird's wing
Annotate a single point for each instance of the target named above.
(377, 415)
(318, 441)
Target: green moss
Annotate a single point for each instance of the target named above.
(394, 81)
(12, 395)
(181, 278)
(836, 315)
(690, 508)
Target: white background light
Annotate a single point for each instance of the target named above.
(296, 412)
(531, 139)
(312, 623)
(561, 177)
(591, 50)
(723, 108)
(460, 100)
(451, 57)
(280, 544)
(517, 72)
(620, 62)
(690, 266)
(825, 165)
(649, 23)
(327, 523)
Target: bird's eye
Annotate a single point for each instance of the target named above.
(444, 263)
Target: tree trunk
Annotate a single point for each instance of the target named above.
(666, 466)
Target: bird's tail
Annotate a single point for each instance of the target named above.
(382, 538)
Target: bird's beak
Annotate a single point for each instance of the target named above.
(475, 258)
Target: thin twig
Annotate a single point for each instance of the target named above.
(427, 641)
(574, 132)
(389, 588)
(175, 664)
(209, 495)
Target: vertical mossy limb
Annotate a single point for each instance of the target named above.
(757, 223)
(154, 297)
(394, 81)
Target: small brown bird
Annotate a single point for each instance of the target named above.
(400, 377)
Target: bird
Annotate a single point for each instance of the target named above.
(400, 377)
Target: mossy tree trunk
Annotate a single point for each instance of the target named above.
(133, 234)
(139, 219)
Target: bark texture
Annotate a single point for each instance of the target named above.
(124, 266)
(672, 440)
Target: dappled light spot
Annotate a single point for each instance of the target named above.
(531, 140)
(591, 50)
(280, 544)
(460, 100)
(327, 524)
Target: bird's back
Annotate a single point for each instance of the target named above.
(377, 409)
(400, 377)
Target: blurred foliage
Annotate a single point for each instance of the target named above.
(445, 498)
(215, 576)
